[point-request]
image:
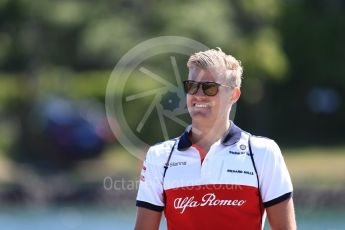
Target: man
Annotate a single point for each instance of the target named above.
(215, 175)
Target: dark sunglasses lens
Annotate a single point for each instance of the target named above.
(190, 87)
(210, 88)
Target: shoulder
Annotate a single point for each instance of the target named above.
(262, 142)
(159, 152)
(265, 146)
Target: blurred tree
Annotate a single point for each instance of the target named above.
(311, 100)
(91, 35)
(285, 46)
(43, 37)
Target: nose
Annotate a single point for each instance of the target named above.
(200, 92)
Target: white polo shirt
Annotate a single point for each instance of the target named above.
(220, 192)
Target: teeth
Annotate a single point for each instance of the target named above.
(200, 105)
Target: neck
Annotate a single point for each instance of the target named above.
(205, 134)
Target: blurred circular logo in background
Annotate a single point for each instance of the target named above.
(145, 101)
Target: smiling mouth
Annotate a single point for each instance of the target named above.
(200, 105)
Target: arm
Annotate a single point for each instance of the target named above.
(276, 187)
(147, 219)
(281, 216)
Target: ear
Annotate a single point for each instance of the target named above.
(235, 95)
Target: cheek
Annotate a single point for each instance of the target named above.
(224, 99)
(189, 101)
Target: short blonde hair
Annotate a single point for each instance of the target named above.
(217, 58)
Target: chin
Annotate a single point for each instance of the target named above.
(200, 115)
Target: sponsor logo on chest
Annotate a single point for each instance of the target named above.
(209, 199)
(180, 163)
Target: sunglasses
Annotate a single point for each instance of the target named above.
(209, 88)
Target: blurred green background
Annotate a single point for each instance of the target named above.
(60, 162)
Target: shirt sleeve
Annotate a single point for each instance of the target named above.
(150, 193)
(275, 181)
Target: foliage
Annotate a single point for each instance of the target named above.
(288, 49)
